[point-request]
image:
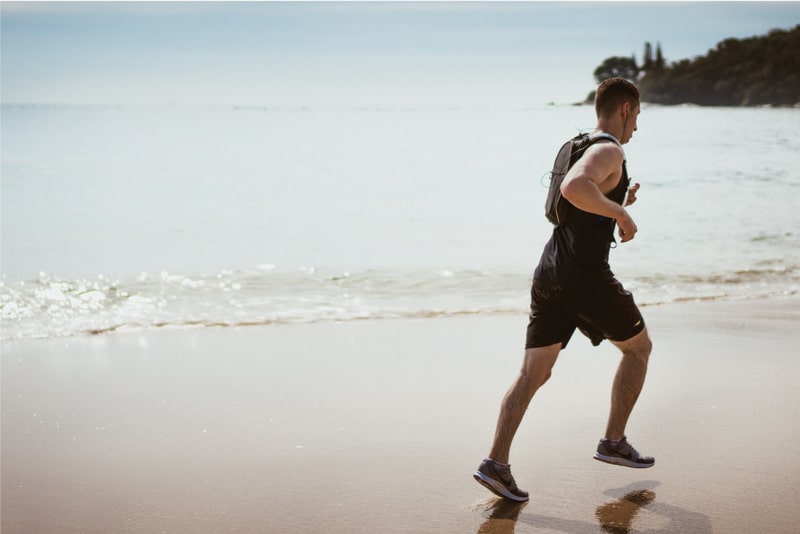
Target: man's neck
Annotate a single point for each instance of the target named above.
(609, 127)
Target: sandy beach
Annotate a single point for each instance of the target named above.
(377, 426)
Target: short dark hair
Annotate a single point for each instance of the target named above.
(614, 92)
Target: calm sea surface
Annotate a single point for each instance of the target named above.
(119, 218)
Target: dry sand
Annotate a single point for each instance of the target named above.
(377, 426)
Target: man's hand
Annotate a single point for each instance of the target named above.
(627, 228)
(632, 194)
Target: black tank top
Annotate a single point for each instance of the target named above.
(577, 252)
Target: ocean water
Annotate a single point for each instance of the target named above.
(128, 218)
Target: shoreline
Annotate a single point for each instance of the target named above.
(376, 426)
(388, 315)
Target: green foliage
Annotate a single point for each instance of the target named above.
(659, 63)
(762, 70)
(648, 57)
(624, 67)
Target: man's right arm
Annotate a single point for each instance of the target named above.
(586, 181)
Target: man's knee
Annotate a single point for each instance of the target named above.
(538, 365)
(639, 346)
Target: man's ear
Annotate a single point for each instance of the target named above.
(626, 109)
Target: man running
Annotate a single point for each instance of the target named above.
(573, 287)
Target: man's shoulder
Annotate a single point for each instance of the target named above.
(607, 148)
(605, 156)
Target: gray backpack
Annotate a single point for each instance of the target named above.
(555, 207)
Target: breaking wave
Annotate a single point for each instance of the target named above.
(49, 306)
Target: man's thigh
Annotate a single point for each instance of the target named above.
(611, 310)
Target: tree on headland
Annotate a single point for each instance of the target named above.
(651, 65)
(624, 67)
(658, 65)
(762, 70)
(647, 62)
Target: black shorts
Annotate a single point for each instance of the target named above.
(602, 311)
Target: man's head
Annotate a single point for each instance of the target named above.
(612, 93)
(617, 104)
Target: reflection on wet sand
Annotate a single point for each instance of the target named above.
(502, 519)
(616, 517)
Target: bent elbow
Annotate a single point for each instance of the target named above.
(568, 190)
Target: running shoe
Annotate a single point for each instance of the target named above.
(622, 453)
(497, 478)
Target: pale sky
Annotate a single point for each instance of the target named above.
(348, 54)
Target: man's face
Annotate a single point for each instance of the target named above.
(630, 115)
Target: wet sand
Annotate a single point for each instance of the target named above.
(377, 426)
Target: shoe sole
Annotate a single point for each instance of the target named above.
(616, 460)
(496, 488)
